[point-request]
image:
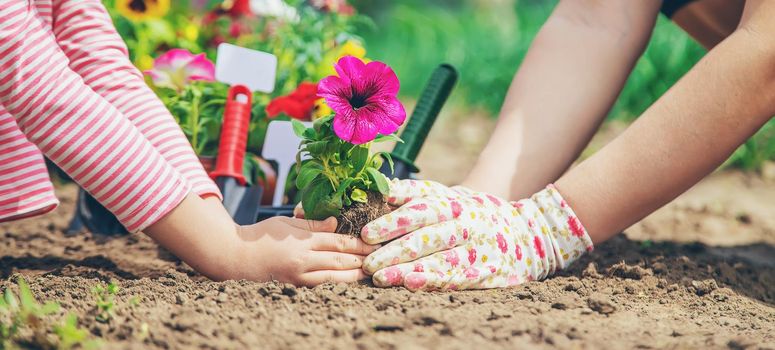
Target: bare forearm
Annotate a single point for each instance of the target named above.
(684, 136)
(201, 233)
(568, 81)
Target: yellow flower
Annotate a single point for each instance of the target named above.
(190, 32)
(349, 48)
(144, 63)
(321, 109)
(352, 48)
(139, 10)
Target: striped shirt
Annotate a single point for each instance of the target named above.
(68, 91)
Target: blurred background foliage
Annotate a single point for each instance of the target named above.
(487, 40)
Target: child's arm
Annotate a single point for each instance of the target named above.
(84, 31)
(569, 79)
(686, 134)
(101, 149)
(76, 128)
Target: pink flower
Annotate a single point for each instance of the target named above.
(472, 256)
(420, 207)
(539, 246)
(452, 258)
(403, 222)
(471, 273)
(418, 268)
(456, 209)
(393, 275)
(415, 281)
(575, 226)
(518, 252)
(363, 96)
(176, 68)
(494, 199)
(465, 233)
(452, 241)
(502, 245)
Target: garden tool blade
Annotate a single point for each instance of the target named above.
(241, 201)
(247, 71)
(281, 145)
(429, 105)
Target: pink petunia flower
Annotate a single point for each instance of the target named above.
(363, 96)
(176, 68)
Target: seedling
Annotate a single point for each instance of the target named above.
(106, 300)
(22, 312)
(70, 335)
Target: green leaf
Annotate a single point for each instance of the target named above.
(358, 158)
(309, 171)
(317, 191)
(389, 137)
(298, 128)
(380, 181)
(379, 156)
(309, 134)
(26, 298)
(50, 308)
(330, 206)
(359, 195)
(10, 299)
(319, 123)
(316, 147)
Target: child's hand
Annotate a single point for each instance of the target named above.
(472, 240)
(301, 252)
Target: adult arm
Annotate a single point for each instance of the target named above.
(685, 135)
(570, 78)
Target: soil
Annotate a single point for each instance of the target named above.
(355, 217)
(699, 273)
(629, 293)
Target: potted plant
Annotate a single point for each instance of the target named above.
(337, 174)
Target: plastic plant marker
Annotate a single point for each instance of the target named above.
(281, 145)
(247, 71)
(238, 65)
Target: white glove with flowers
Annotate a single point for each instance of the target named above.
(456, 238)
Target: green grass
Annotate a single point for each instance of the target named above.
(487, 40)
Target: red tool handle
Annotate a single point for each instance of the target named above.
(234, 135)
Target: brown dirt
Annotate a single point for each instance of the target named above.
(626, 294)
(354, 217)
(699, 273)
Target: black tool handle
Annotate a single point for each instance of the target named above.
(428, 106)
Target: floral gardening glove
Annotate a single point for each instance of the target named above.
(456, 238)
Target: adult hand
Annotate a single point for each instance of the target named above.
(464, 239)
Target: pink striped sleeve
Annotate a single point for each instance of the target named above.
(85, 33)
(76, 128)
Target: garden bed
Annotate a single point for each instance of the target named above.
(663, 294)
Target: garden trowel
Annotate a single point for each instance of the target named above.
(424, 115)
(246, 71)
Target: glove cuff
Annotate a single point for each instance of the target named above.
(568, 238)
